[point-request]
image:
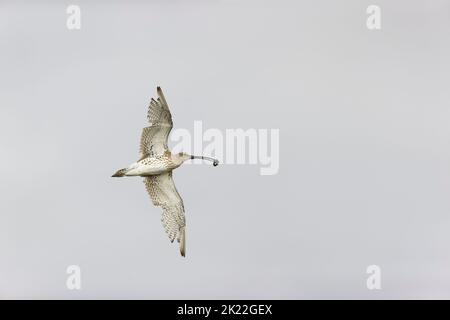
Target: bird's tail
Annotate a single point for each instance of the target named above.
(183, 241)
(120, 173)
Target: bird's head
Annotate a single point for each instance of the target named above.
(182, 156)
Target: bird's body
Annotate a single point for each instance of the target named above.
(152, 165)
(156, 165)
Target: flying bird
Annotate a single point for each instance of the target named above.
(156, 164)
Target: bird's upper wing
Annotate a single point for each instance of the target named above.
(163, 193)
(154, 137)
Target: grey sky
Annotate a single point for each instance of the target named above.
(364, 148)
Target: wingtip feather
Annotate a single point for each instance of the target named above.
(161, 95)
(183, 242)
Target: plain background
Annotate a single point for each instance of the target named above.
(364, 148)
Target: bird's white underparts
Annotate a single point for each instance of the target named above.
(156, 164)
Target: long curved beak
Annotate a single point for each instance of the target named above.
(214, 161)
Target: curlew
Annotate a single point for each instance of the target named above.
(156, 164)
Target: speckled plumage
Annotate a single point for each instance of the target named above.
(156, 164)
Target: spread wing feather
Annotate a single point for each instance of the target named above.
(163, 193)
(154, 137)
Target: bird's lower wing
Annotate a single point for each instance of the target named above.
(163, 193)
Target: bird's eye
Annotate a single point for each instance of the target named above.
(180, 154)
